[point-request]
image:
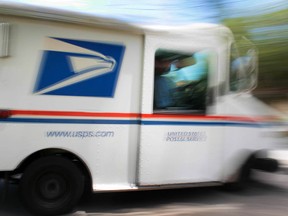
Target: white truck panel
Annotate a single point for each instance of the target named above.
(111, 160)
(27, 42)
(110, 157)
(180, 154)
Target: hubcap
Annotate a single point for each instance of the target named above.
(52, 186)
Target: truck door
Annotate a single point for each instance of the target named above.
(180, 142)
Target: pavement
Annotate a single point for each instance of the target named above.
(267, 195)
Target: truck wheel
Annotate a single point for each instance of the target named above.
(243, 176)
(51, 185)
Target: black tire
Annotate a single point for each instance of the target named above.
(51, 185)
(244, 176)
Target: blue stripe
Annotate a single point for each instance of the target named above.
(242, 124)
(69, 121)
(129, 122)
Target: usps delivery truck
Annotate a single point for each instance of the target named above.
(90, 103)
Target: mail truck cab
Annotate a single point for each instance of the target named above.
(88, 103)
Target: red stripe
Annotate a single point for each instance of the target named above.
(135, 115)
(74, 114)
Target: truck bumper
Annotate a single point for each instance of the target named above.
(266, 164)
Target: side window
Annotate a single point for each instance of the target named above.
(180, 82)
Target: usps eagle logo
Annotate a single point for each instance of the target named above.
(79, 68)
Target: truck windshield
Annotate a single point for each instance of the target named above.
(243, 66)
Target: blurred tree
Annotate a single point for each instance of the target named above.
(269, 32)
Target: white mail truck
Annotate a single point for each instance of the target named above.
(91, 103)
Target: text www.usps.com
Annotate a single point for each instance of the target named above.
(80, 134)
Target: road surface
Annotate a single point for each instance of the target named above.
(266, 196)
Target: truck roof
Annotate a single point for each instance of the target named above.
(82, 17)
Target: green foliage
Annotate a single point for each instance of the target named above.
(269, 33)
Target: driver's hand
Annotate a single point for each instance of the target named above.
(181, 83)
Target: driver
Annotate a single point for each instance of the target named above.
(164, 86)
(193, 68)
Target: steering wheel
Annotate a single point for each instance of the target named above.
(193, 94)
